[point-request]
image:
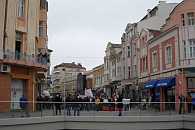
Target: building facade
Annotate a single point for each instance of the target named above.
(170, 57)
(64, 77)
(112, 68)
(23, 50)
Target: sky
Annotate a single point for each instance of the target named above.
(79, 30)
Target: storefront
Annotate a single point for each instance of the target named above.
(167, 93)
(162, 91)
(17, 91)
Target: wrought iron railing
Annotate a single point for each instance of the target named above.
(32, 59)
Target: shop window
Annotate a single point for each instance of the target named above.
(21, 8)
(191, 82)
(191, 20)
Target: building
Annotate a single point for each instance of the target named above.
(64, 77)
(112, 68)
(170, 72)
(85, 82)
(132, 49)
(98, 79)
(129, 60)
(24, 56)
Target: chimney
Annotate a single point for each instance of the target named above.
(148, 10)
(162, 2)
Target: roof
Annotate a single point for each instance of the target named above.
(70, 65)
(112, 45)
(151, 12)
(100, 66)
(176, 7)
(155, 32)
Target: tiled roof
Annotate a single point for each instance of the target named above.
(70, 65)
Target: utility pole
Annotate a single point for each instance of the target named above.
(5, 26)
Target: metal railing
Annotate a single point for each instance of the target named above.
(92, 109)
(24, 57)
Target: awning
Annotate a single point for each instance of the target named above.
(167, 82)
(150, 84)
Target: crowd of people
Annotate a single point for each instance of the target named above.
(74, 104)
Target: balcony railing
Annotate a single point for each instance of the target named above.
(39, 60)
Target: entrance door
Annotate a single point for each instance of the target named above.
(17, 89)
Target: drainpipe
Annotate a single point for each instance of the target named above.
(5, 26)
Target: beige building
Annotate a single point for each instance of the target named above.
(98, 77)
(64, 77)
(112, 68)
(24, 57)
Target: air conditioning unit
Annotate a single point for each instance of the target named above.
(5, 68)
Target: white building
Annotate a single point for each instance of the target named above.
(65, 75)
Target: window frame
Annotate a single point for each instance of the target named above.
(154, 61)
(169, 55)
(21, 8)
(191, 18)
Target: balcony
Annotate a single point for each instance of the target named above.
(24, 59)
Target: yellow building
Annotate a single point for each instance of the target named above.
(98, 77)
(24, 54)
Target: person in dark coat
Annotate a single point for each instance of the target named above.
(76, 106)
(24, 106)
(58, 103)
(120, 105)
(181, 104)
(68, 105)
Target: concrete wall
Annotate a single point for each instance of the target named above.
(99, 123)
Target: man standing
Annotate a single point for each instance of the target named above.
(58, 101)
(189, 102)
(24, 106)
(120, 105)
(181, 105)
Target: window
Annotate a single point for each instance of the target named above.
(191, 18)
(44, 4)
(183, 19)
(41, 29)
(145, 64)
(128, 51)
(154, 61)
(191, 82)
(21, 8)
(184, 45)
(18, 45)
(168, 56)
(129, 72)
(192, 48)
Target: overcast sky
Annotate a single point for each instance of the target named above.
(79, 30)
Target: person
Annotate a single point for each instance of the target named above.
(120, 105)
(39, 99)
(189, 103)
(58, 100)
(181, 105)
(76, 106)
(68, 105)
(24, 106)
(97, 102)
